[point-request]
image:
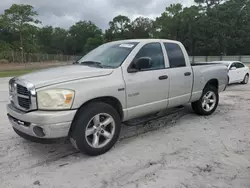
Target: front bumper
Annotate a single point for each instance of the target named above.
(54, 124)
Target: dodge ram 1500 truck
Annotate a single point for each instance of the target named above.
(116, 82)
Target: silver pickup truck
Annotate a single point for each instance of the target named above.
(116, 82)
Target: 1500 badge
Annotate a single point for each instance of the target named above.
(133, 94)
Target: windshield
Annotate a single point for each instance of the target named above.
(109, 54)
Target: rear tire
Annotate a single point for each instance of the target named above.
(96, 128)
(246, 79)
(208, 102)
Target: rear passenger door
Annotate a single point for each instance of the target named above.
(180, 75)
(241, 71)
(233, 73)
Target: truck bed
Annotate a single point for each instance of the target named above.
(203, 64)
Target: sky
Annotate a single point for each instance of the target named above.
(64, 13)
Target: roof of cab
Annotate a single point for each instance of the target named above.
(146, 40)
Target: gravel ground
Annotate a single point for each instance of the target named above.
(183, 151)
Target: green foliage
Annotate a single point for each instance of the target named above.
(4, 46)
(58, 40)
(80, 32)
(211, 27)
(141, 28)
(19, 19)
(208, 3)
(45, 36)
(4, 50)
(92, 43)
(169, 23)
(119, 28)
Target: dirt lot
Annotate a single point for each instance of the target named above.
(187, 151)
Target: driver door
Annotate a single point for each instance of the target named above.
(147, 90)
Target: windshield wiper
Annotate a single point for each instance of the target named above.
(95, 63)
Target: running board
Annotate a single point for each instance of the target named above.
(151, 117)
(139, 126)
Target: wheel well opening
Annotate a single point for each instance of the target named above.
(115, 103)
(213, 82)
(112, 101)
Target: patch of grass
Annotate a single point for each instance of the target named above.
(14, 73)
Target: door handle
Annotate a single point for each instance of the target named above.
(187, 73)
(164, 77)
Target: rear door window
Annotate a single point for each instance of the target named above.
(240, 65)
(175, 55)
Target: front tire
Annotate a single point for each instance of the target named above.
(208, 102)
(96, 128)
(246, 79)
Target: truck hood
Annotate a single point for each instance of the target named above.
(56, 75)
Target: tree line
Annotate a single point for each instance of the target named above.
(210, 27)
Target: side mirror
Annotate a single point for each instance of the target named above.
(141, 63)
(233, 68)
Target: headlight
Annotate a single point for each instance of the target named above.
(11, 85)
(55, 99)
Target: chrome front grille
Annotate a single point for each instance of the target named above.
(22, 90)
(23, 102)
(22, 95)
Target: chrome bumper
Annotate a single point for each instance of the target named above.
(54, 124)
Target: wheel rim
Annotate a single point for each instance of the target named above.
(209, 101)
(100, 130)
(246, 79)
